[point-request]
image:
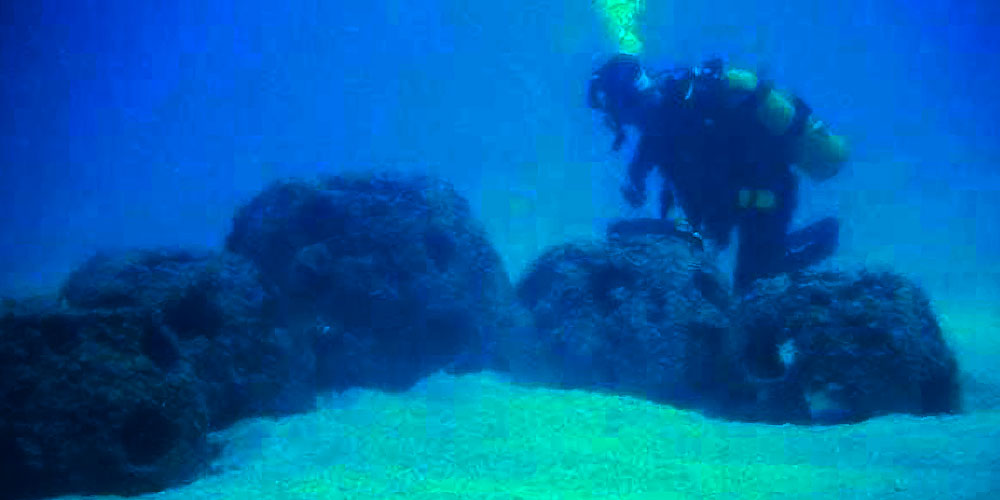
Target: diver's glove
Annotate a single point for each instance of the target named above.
(633, 195)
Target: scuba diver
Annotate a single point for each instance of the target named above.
(724, 142)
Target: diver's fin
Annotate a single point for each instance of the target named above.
(812, 244)
(631, 228)
(641, 227)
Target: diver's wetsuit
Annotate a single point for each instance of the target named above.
(709, 146)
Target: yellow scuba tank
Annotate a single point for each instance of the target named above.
(817, 152)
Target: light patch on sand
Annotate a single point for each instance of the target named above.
(478, 436)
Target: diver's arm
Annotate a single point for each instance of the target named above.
(666, 200)
(634, 188)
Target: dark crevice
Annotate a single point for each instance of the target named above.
(147, 436)
(194, 313)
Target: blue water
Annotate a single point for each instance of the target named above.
(142, 123)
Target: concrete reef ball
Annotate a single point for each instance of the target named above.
(391, 270)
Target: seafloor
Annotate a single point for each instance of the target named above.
(477, 436)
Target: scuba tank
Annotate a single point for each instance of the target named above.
(815, 150)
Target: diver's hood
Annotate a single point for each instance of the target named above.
(616, 83)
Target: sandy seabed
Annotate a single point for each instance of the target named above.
(480, 437)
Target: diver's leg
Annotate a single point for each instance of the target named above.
(761, 248)
(763, 234)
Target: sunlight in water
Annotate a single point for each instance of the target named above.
(622, 18)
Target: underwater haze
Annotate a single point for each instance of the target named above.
(148, 124)
(130, 124)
